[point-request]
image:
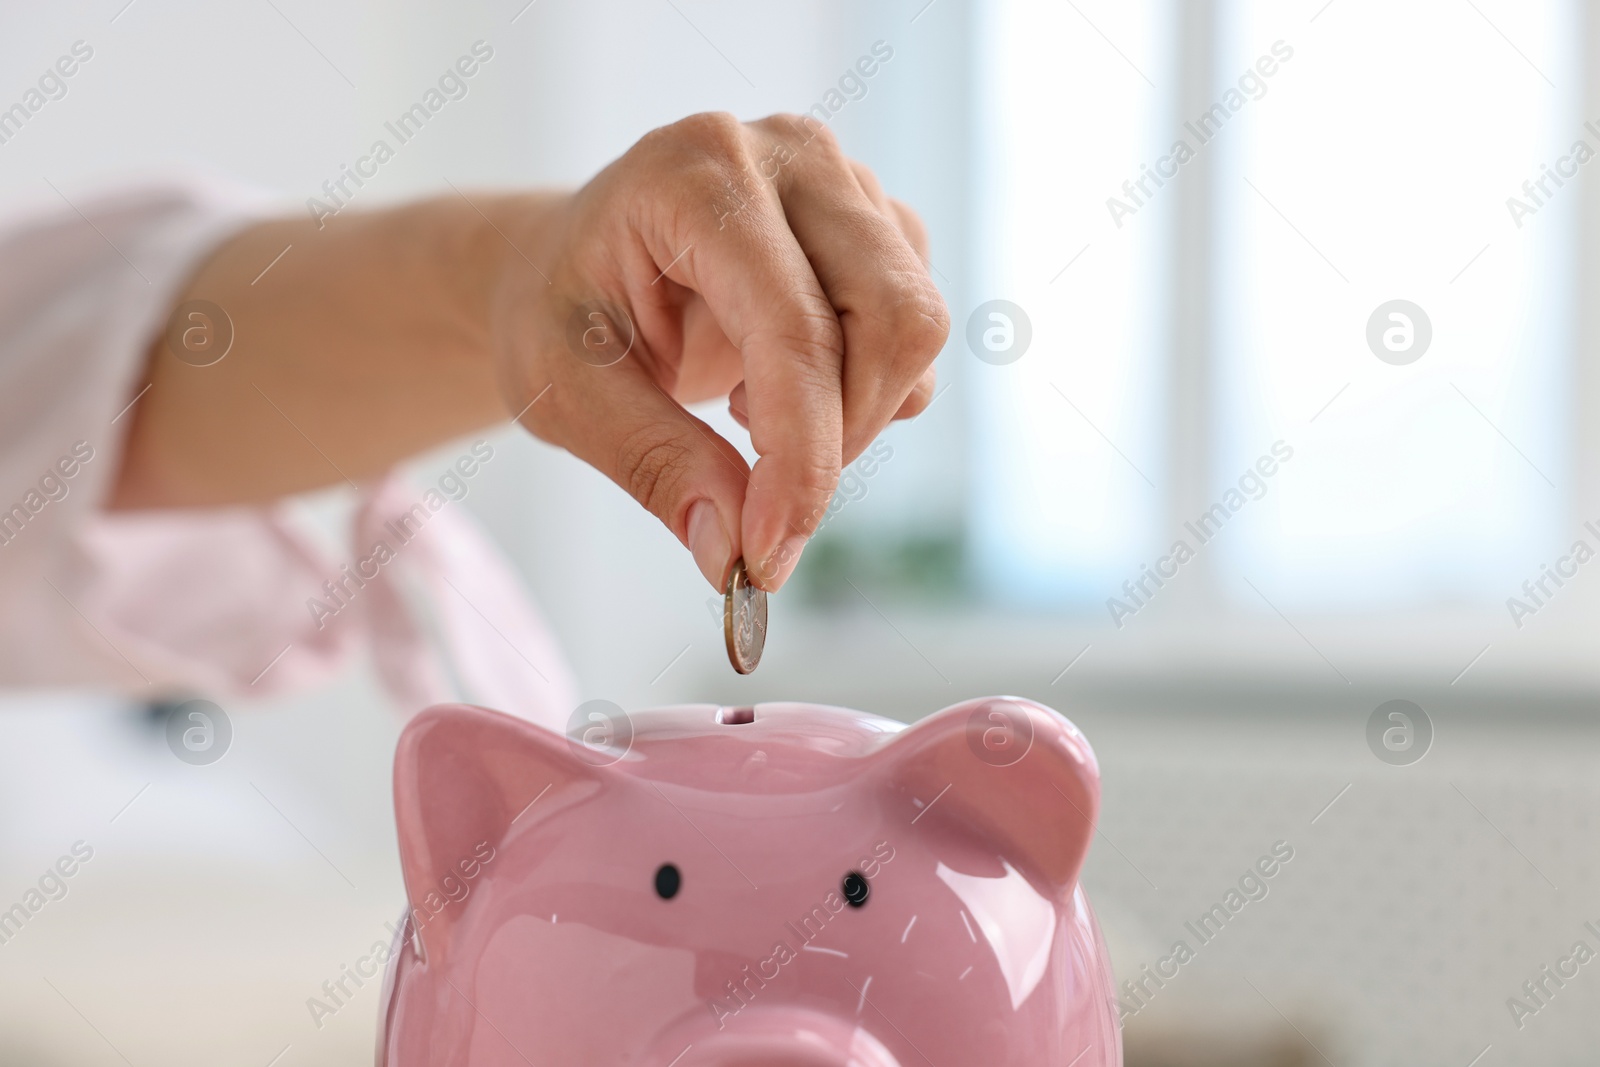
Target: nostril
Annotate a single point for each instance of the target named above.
(736, 716)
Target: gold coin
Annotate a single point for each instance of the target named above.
(744, 620)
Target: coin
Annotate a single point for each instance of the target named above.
(744, 620)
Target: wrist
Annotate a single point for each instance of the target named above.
(514, 239)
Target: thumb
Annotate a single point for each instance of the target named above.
(619, 421)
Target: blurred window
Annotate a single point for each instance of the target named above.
(1068, 472)
(1194, 308)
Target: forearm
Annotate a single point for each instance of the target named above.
(367, 342)
(803, 298)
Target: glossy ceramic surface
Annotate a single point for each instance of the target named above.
(544, 929)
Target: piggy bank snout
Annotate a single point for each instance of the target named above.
(777, 1037)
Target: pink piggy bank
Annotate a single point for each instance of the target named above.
(780, 885)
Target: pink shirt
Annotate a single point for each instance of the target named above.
(222, 602)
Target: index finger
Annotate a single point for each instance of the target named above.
(760, 288)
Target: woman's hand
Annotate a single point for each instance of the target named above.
(716, 258)
(713, 259)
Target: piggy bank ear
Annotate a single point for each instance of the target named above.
(462, 777)
(1014, 773)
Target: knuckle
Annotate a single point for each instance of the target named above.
(714, 133)
(817, 340)
(805, 326)
(920, 397)
(817, 478)
(928, 325)
(869, 182)
(821, 135)
(780, 122)
(652, 466)
(803, 132)
(911, 225)
(788, 124)
(909, 322)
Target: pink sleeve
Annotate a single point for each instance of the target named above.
(220, 602)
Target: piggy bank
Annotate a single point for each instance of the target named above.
(786, 884)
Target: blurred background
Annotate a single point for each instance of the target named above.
(1175, 323)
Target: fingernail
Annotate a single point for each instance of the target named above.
(776, 570)
(709, 542)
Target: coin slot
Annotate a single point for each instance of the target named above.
(736, 716)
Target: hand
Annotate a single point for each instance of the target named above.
(715, 258)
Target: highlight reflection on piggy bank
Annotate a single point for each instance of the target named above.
(783, 885)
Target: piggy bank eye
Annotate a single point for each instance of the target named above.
(668, 881)
(855, 889)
